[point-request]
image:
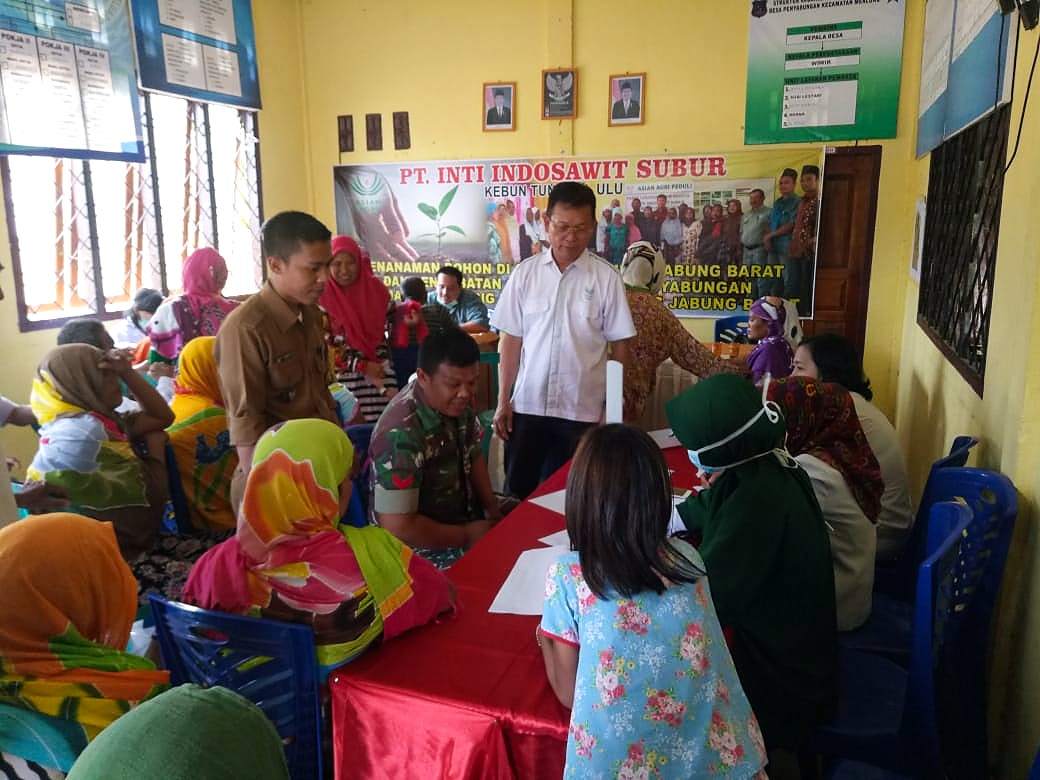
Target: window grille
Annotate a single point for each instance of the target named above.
(87, 234)
(965, 185)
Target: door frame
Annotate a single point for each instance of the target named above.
(873, 153)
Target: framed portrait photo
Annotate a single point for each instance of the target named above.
(627, 99)
(559, 94)
(499, 104)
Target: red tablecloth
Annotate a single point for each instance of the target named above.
(468, 696)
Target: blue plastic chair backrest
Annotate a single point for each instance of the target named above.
(361, 437)
(993, 503)
(926, 727)
(917, 547)
(1034, 773)
(731, 328)
(268, 662)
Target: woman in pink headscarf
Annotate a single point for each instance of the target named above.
(359, 315)
(198, 312)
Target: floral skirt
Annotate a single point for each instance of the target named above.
(164, 569)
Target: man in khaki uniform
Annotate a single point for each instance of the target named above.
(271, 350)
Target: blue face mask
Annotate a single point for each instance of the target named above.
(696, 461)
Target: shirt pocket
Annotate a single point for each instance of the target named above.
(536, 311)
(286, 373)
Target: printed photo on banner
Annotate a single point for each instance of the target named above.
(499, 103)
(559, 94)
(733, 226)
(627, 99)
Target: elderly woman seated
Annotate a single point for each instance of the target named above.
(68, 600)
(825, 437)
(832, 358)
(765, 549)
(291, 559)
(200, 439)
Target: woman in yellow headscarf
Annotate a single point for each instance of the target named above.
(291, 559)
(67, 601)
(200, 439)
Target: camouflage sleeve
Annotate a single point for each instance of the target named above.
(397, 459)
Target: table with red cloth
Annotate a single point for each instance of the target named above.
(466, 697)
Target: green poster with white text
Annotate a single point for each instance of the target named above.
(823, 70)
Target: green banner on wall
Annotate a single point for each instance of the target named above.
(823, 70)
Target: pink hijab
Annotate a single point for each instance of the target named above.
(200, 272)
(358, 311)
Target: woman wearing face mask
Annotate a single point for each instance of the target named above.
(766, 552)
(135, 321)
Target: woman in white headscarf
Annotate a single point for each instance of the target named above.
(659, 334)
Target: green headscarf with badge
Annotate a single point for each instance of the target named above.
(766, 552)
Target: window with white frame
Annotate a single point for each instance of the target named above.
(87, 234)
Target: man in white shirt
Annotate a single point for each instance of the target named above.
(558, 313)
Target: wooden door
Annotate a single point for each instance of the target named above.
(846, 242)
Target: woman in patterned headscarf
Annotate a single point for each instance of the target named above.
(291, 559)
(200, 439)
(765, 548)
(198, 312)
(659, 334)
(67, 600)
(825, 437)
(774, 324)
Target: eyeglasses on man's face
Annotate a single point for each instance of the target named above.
(569, 230)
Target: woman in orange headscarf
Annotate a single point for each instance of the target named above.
(200, 439)
(68, 601)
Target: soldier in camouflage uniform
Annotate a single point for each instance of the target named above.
(430, 483)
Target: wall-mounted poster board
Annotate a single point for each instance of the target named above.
(484, 216)
(67, 83)
(823, 70)
(964, 73)
(199, 49)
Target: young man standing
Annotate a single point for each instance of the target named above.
(781, 223)
(558, 314)
(271, 350)
(802, 249)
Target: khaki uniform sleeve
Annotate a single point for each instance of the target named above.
(244, 383)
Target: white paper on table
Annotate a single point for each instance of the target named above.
(675, 523)
(664, 438)
(615, 391)
(553, 501)
(524, 589)
(558, 539)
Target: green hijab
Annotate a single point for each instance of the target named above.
(187, 733)
(766, 552)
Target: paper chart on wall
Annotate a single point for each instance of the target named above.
(523, 591)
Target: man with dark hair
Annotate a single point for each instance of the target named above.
(430, 483)
(86, 330)
(754, 223)
(781, 223)
(271, 350)
(801, 252)
(465, 306)
(500, 113)
(557, 316)
(626, 108)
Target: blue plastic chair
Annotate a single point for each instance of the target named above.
(268, 662)
(731, 329)
(897, 578)
(1034, 773)
(903, 721)
(360, 437)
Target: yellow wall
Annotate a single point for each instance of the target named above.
(322, 58)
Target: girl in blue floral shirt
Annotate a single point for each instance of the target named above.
(629, 633)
